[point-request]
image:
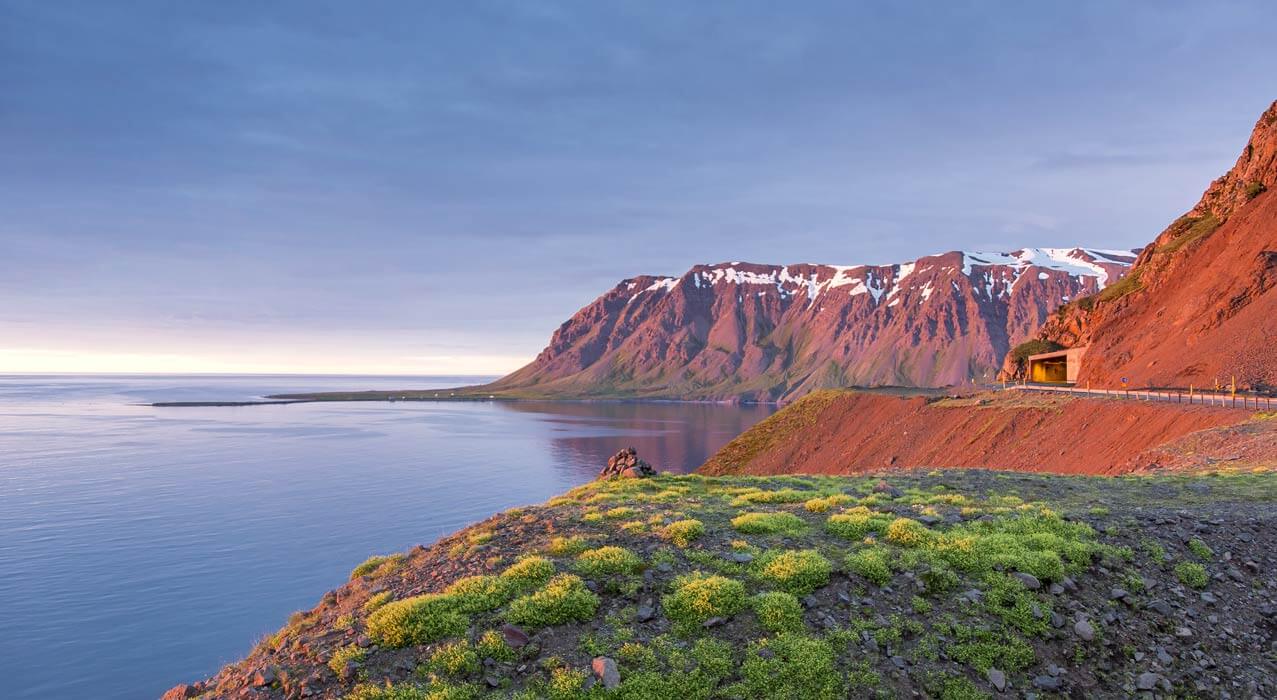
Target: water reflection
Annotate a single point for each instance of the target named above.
(672, 437)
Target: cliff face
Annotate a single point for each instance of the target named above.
(766, 332)
(1199, 305)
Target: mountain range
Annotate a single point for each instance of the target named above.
(753, 332)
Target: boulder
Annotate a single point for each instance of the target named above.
(627, 465)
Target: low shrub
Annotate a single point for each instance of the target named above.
(567, 546)
(564, 599)
(608, 561)
(377, 601)
(418, 620)
(768, 523)
(777, 496)
(778, 612)
(871, 564)
(796, 571)
(492, 645)
(857, 522)
(1191, 574)
(697, 597)
(1035, 346)
(349, 654)
(528, 573)
(789, 666)
(1200, 549)
(907, 532)
(455, 659)
(683, 532)
(378, 565)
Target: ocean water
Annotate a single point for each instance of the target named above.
(142, 547)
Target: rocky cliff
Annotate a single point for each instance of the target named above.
(1199, 306)
(767, 332)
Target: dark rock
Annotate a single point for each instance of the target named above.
(742, 557)
(1046, 682)
(606, 671)
(514, 636)
(998, 679)
(181, 692)
(884, 487)
(1159, 606)
(1030, 581)
(263, 677)
(1083, 629)
(645, 612)
(713, 622)
(1146, 681)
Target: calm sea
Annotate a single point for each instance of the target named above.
(142, 547)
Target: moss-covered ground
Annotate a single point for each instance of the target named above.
(954, 584)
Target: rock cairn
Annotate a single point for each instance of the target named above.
(627, 465)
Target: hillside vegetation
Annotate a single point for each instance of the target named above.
(956, 585)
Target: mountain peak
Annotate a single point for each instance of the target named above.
(1255, 171)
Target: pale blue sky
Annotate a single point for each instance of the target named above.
(434, 186)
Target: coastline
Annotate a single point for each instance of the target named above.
(478, 394)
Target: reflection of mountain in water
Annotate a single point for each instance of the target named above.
(674, 437)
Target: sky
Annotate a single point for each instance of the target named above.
(433, 187)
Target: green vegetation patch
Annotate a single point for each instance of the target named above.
(872, 564)
(418, 620)
(350, 654)
(567, 546)
(1036, 346)
(608, 561)
(778, 611)
(698, 597)
(1186, 230)
(796, 571)
(907, 532)
(856, 523)
(564, 599)
(1191, 574)
(378, 566)
(826, 503)
(768, 523)
(528, 573)
(454, 659)
(789, 666)
(768, 496)
(683, 532)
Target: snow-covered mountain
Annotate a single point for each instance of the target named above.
(765, 332)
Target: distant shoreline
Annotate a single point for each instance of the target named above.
(477, 394)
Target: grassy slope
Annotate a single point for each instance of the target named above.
(771, 431)
(817, 587)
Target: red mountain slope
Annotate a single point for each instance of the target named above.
(741, 331)
(1200, 305)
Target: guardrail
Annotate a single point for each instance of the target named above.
(1191, 396)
